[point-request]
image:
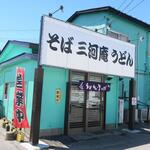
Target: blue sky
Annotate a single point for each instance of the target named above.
(20, 19)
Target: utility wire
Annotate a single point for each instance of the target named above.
(7, 38)
(113, 20)
(135, 6)
(128, 5)
(19, 30)
(111, 15)
(122, 4)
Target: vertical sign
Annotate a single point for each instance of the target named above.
(20, 117)
(121, 110)
(58, 95)
(134, 101)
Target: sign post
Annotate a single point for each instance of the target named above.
(36, 108)
(132, 102)
(37, 98)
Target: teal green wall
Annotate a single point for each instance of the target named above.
(1, 85)
(29, 96)
(134, 32)
(112, 102)
(52, 112)
(92, 21)
(10, 102)
(8, 75)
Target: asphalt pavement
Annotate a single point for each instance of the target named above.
(119, 139)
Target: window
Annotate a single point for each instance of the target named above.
(118, 36)
(94, 97)
(6, 91)
(76, 77)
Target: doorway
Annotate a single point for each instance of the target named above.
(86, 109)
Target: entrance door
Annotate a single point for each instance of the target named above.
(76, 105)
(86, 109)
(94, 107)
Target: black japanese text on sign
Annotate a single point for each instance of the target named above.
(90, 50)
(19, 97)
(20, 117)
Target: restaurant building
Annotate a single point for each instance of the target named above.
(86, 71)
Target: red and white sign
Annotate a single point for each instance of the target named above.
(20, 117)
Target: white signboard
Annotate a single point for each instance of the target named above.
(134, 101)
(121, 110)
(69, 46)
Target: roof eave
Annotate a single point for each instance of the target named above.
(33, 46)
(22, 56)
(110, 9)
